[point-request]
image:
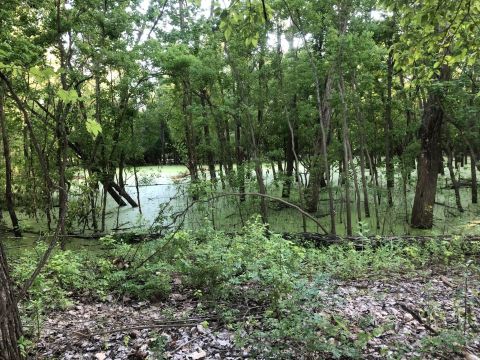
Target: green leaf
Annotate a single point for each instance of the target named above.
(228, 33)
(93, 127)
(67, 96)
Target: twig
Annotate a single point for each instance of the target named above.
(141, 327)
(417, 317)
(185, 344)
(447, 282)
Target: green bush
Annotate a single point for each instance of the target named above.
(53, 286)
(221, 265)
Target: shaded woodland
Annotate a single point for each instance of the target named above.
(330, 109)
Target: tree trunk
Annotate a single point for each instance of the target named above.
(346, 175)
(355, 183)
(10, 326)
(388, 131)
(262, 90)
(113, 186)
(287, 184)
(189, 134)
(208, 141)
(473, 169)
(62, 110)
(375, 190)
(430, 158)
(366, 206)
(280, 167)
(121, 167)
(239, 155)
(313, 189)
(454, 181)
(8, 169)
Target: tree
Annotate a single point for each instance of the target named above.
(436, 47)
(10, 326)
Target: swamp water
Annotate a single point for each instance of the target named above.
(166, 187)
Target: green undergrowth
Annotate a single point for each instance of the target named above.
(281, 278)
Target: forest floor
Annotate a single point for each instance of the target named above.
(408, 311)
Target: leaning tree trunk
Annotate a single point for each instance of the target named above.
(430, 158)
(10, 326)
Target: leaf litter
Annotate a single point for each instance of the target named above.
(403, 310)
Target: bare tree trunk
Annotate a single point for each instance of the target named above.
(280, 166)
(189, 134)
(261, 189)
(274, 171)
(355, 183)
(93, 195)
(8, 168)
(287, 184)
(473, 169)
(366, 206)
(240, 156)
(454, 181)
(405, 175)
(430, 159)
(388, 131)
(375, 190)
(208, 141)
(10, 326)
(62, 139)
(137, 188)
(262, 83)
(375, 178)
(104, 207)
(346, 175)
(121, 167)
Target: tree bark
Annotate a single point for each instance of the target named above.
(240, 156)
(208, 140)
(388, 131)
(366, 206)
(61, 132)
(375, 190)
(355, 183)
(10, 326)
(189, 133)
(473, 169)
(346, 175)
(287, 184)
(454, 181)
(430, 158)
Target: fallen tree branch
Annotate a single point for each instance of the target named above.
(417, 317)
